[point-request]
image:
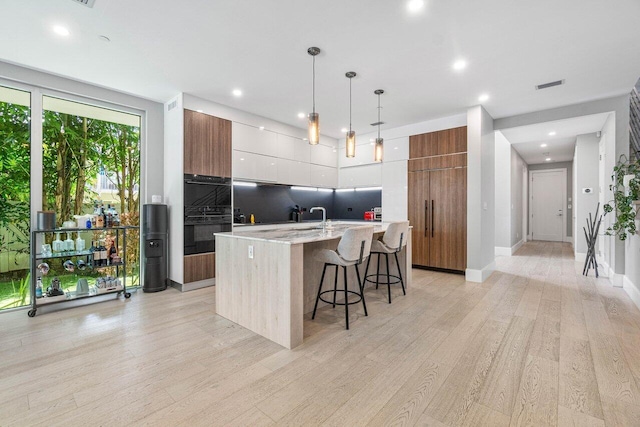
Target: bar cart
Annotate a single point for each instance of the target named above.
(79, 257)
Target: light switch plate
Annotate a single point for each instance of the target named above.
(250, 251)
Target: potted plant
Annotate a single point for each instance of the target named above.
(626, 197)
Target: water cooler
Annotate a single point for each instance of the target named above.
(155, 248)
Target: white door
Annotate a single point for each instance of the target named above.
(548, 195)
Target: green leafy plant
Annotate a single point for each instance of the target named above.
(20, 293)
(622, 203)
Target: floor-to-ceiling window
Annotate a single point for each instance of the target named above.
(15, 176)
(88, 156)
(91, 160)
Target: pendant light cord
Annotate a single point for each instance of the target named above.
(378, 116)
(313, 85)
(350, 104)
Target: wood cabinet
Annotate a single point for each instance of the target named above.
(437, 199)
(444, 142)
(207, 145)
(199, 267)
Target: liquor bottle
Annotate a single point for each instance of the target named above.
(104, 254)
(104, 216)
(112, 252)
(79, 243)
(95, 253)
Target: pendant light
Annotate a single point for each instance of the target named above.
(377, 152)
(314, 118)
(351, 135)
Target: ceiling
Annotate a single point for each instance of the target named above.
(208, 48)
(527, 140)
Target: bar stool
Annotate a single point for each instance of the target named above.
(393, 240)
(353, 248)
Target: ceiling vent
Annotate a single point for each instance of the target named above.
(377, 123)
(88, 3)
(550, 84)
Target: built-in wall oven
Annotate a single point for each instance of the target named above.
(207, 210)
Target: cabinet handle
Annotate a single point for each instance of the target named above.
(426, 216)
(432, 217)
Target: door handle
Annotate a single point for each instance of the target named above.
(432, 204)
(560, 212)
(426, 209)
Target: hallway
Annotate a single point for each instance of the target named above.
(536, 344)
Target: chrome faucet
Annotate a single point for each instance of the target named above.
(324, 214)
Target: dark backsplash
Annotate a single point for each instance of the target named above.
(274, 203)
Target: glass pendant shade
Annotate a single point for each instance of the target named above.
(314, 128)
(351, 143)
(377, 150)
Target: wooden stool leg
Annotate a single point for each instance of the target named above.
(315, 307)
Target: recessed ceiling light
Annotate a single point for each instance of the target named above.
(301, 115)
(344, 130)
(415, 5)
(395, 148)
(199, 111)
(335, 151)
(60, 30)
(548, 159)
(237, 92)
(241, 158)
(460, 65)
(261, 128)
(104, 38)
(543, 145)
(483, 98)
(552, 133)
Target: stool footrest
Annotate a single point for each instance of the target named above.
(340, 303)
(378, 280)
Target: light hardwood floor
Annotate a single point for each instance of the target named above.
(537, 344)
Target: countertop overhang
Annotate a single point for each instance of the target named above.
(299, 233)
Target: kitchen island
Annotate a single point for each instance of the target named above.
(267, 277)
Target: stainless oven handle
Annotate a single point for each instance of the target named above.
(207, 183)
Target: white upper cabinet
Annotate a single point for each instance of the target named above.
(323, 176)
(286, 147)
(293, 172)
(364, 156)
(254, 167)
(324, 155)
(253, 140)
(361, 176)
(396, 149)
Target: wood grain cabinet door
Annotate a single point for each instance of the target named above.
(418, 216)
(207, 145)
(199, 267)
(448, 219)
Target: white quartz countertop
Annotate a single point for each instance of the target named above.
(298, 233)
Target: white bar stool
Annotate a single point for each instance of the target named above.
(354, 247)
(393, 240)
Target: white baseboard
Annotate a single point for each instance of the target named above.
(504, 251)
(617, 280)
(581, 257)
(631, 290)
(517, 246)
(479, 276)
(603, 267)
(192, 286)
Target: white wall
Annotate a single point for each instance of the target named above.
(518, 169)
(480, 195)
(586, 166)
(503, 195)
(173, 184)
(608, 134)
